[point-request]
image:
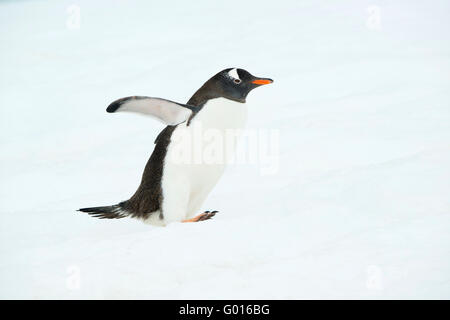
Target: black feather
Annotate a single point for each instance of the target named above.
(114, 106)
(107, 212)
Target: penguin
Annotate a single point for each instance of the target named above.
(172, 190)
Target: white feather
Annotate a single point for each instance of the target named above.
(185, 186)
(233, 73)
(163, 110)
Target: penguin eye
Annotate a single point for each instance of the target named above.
(237, 80)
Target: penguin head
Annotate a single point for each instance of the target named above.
(234, 84)
(231, 83)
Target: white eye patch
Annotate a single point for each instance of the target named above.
(233, 73)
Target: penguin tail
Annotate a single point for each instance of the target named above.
(116, 211)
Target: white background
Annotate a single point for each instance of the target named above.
(358, 208)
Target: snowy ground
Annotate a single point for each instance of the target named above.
(358, 208)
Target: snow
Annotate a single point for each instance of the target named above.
(358, 205)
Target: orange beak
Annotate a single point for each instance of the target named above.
(262, 81)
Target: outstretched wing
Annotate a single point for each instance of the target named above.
(167, 111)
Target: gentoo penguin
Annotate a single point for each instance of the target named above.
(173, 190)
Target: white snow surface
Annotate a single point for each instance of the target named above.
(358, 208)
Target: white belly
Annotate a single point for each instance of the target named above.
(197, 156)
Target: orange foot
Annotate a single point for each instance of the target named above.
(201, 217)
